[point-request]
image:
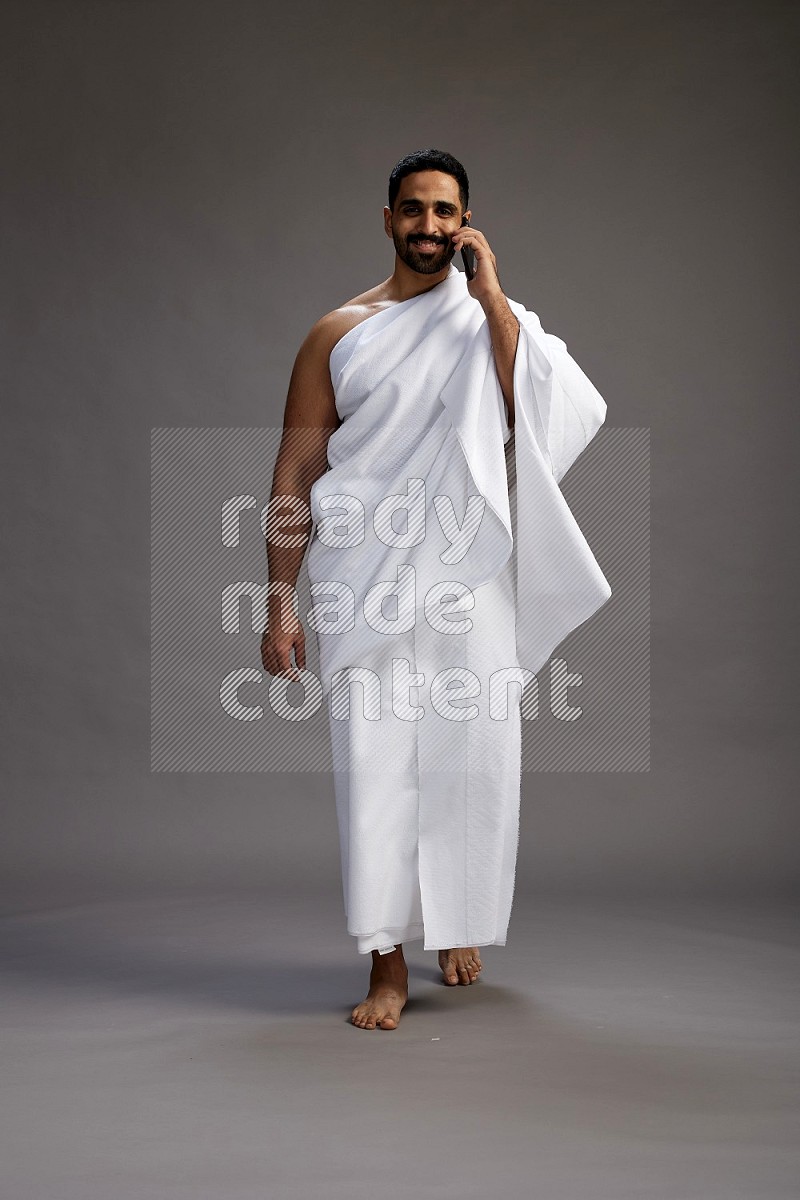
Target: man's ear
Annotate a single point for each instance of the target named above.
(387, 220)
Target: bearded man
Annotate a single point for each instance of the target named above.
(414, 400)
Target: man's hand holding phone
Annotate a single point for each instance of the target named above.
(480, 265)
(468, 254)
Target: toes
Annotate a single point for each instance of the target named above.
(371, 1017)
(474, 966)
(460, 971)
(448, 969)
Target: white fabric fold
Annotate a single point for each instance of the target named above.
(416, 380)
(428, 801)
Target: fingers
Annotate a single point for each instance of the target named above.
(286, 668)
(481, 248)
(291, 670)
(475, 239)
(300, 653)
(472, 237)
(277, 661)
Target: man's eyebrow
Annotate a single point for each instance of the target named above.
(414, 200)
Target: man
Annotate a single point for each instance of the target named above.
(402, 402)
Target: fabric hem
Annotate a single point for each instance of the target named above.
(458, 946)
(385, 940)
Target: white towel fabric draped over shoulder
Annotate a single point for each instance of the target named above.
(428, 599)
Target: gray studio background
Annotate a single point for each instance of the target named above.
(188, 187)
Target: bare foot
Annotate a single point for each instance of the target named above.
(460, 965)
(388, 992)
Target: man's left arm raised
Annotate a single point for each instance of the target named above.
(503, 325)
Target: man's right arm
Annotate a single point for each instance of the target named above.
(310, 418)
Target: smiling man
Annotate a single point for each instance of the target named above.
(428, 376)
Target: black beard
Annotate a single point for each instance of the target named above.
(423, 264)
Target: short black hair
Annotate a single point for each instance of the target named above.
(429, 160)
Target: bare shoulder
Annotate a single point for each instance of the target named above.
(328, 330)
(311, 403)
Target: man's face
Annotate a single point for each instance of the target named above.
(427, 211)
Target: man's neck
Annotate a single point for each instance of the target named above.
(404, 283)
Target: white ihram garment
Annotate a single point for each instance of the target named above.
(427, 792)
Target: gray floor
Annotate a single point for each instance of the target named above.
(198, 1045)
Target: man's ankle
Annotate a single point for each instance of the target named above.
(391, 959)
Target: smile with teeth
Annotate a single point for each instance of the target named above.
(426, 245)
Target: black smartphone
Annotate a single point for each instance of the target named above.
(468, 256)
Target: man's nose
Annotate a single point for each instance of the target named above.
(429, 224)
